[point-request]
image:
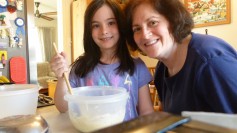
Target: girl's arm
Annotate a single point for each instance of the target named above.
(144, 101)
(59, 66)
(61, 90)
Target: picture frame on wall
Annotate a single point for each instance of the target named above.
(209, 12)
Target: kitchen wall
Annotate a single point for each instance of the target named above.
(227, 32)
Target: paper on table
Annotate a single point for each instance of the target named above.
(219, 119)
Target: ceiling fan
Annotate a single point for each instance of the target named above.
(43, 15)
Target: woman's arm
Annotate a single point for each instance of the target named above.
(217, 84)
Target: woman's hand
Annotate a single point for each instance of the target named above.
(59, 64)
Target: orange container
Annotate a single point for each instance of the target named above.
(51, 87)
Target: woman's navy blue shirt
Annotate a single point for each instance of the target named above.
(207, 81)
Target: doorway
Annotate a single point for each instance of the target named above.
(63, 33)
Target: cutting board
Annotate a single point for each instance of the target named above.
(161, 122)
(157, 122)
(18, 70)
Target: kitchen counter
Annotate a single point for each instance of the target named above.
(58, 122)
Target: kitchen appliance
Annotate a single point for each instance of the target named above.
(95, 107)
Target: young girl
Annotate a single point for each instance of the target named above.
(106, 60)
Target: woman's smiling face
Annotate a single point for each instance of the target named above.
(151, 32)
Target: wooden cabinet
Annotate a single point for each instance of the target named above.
(78, 10)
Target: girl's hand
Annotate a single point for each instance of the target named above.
(59, 64)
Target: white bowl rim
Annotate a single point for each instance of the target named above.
(15, 89)
(123, 94)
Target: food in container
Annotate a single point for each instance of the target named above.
(95, 107)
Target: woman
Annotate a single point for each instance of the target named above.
(106, 61)
(195, 72)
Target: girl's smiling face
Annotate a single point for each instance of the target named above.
(151, 32)
(105, 31)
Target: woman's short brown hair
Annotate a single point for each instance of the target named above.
(180, 20)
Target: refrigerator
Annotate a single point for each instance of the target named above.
(16, 55)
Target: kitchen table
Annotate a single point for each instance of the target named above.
(58, 122)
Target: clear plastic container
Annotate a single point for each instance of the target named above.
(18, 99)
(96, 107)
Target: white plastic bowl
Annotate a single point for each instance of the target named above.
(95, 107)
(18, 99)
